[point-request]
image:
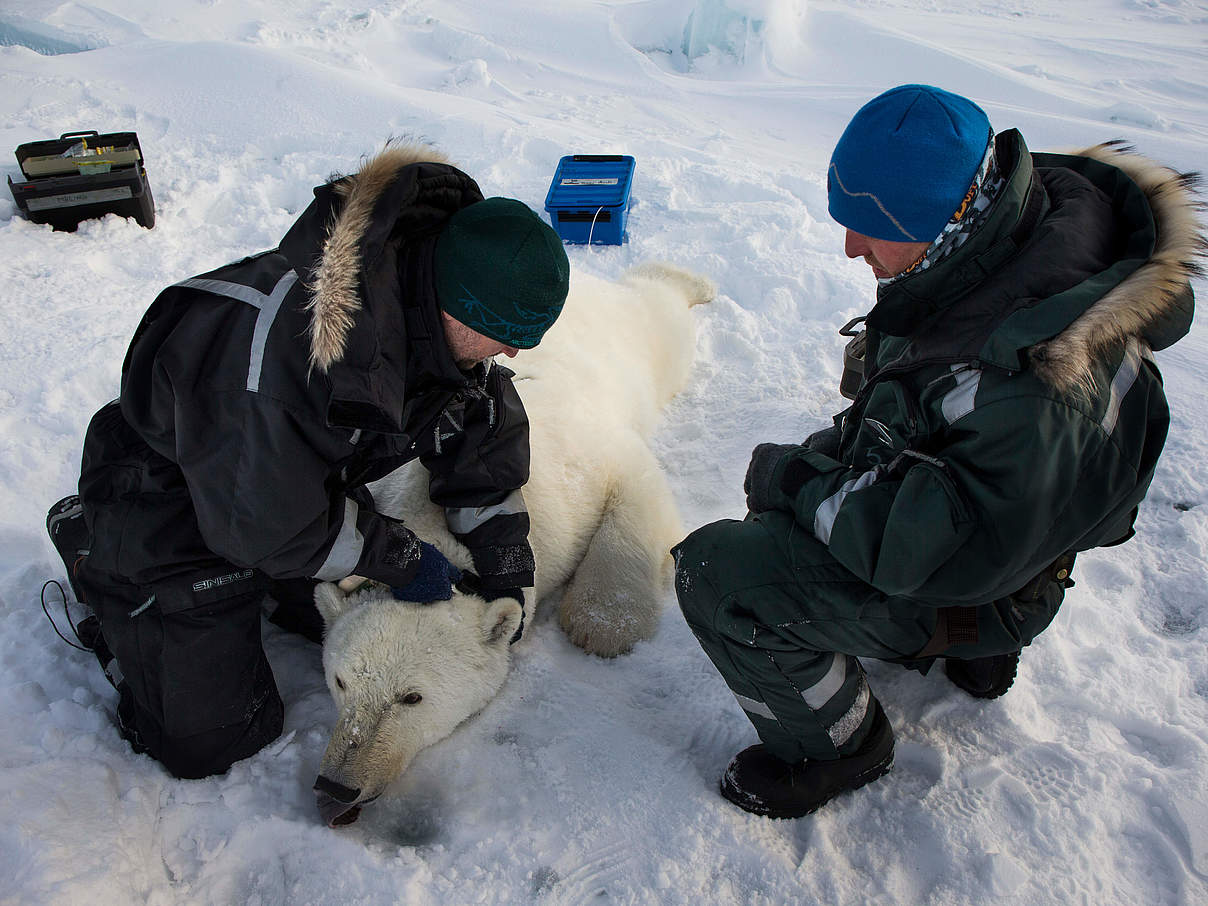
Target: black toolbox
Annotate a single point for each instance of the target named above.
(81, 175)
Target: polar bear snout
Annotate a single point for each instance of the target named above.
(403, 676)
(339, 792)
(336, 802)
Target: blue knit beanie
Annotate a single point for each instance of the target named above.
(905, 162)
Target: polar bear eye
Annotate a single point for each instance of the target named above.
(411, 698)
(339, 684)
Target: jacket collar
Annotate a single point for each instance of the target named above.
(1142, 291)
(904, 305)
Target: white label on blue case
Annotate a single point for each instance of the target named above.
(48, 202)
(590, 182)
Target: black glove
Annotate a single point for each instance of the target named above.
(825, 441)
(471, 584)
(758, 483)
(433, 580)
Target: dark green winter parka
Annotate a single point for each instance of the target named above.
(1010, 410)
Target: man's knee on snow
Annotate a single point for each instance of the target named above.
(213, 751)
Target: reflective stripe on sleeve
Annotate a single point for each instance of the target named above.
(1126, 376)
(958, 402)
(344, 555)
(828, 510)
(463, 520)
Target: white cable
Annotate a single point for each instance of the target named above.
(592, 230)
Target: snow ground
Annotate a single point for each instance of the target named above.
(586, 779)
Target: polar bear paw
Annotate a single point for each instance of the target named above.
(607, 621)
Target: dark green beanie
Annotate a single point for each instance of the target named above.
(501, 270)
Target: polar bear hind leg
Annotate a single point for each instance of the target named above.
(615, 596)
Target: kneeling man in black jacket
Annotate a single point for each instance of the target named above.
(258, 400)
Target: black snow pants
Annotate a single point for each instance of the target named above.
(196, 689)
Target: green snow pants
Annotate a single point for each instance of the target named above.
(783, 622)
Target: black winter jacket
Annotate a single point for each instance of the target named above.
(274, 388)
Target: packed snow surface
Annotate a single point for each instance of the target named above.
(592, 780)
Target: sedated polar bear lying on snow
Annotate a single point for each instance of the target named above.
(602, 521)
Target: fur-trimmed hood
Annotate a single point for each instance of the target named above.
(334, 295)
(1155, 293)
(349, 237)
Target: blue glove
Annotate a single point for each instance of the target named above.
(433, 579)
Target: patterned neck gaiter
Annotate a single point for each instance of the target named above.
(987, 186)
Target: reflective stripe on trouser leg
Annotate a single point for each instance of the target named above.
(771, 606)
(840, 700)
(803, 703)
(851, 710)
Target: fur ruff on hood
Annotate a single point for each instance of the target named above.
(334, 296)
(1143, 298)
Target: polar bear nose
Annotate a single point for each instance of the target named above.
(337, 791)
(335, 802)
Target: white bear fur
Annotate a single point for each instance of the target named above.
(602, 523)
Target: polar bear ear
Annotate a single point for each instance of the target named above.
(500, 620)
(330, 601)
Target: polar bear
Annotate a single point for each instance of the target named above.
(602, 522)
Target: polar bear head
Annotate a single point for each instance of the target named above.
(403, 676)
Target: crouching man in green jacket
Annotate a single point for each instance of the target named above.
(1006, 414)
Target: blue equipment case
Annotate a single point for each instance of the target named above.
(588, 200)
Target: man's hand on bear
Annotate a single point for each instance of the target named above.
(518, 594)
(433, 579)
(471, 584)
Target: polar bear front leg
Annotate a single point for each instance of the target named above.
(615, 596)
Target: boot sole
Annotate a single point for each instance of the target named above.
(756, 807)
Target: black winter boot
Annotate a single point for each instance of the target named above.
(69, 534)
(761, 783)
(984, 677)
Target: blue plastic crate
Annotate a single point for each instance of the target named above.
(588, 200)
